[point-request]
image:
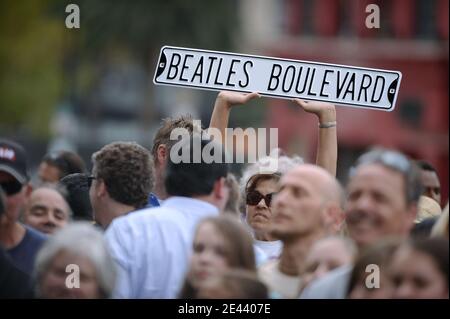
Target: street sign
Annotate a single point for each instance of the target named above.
(274, 77)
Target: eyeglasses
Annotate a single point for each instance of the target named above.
(90, 179)
(396, 160)
(254, 197)
(11, 187)
(391, 159)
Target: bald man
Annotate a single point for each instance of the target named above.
(47, 210)
(382, 194)
(307, 207)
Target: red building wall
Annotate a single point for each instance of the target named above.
(419, 124)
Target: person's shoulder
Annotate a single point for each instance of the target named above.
(14, 283)
(333, 285)
(34, 235)
(137, 223)
(137, 217)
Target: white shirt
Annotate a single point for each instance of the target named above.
(280, 284)
(272, 249)
(334, 285)
(260, 256)
(152, 247)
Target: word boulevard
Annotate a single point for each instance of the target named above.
(275, 77)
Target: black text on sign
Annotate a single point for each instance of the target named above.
(274, 77)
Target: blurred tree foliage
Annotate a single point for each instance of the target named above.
(144, 25)
(30, 55)
(41, 61)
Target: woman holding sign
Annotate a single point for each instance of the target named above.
(259, 188)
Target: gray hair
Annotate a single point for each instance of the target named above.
(83, 239)
(398, 162)
(285, 163)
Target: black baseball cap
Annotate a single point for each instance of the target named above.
(13, 160)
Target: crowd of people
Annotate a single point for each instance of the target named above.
(144, 225)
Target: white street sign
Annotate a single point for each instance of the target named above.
(275, 77)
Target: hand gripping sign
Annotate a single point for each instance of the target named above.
(274, 77)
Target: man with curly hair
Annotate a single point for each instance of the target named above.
(152, 247)
(122, 177)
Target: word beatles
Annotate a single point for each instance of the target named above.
(339, 84)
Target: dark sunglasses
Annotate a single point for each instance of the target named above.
(254, 197)
(11, 187)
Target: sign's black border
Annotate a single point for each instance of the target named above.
(391, 108)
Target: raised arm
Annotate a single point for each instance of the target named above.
(224, 102)
(326, 156)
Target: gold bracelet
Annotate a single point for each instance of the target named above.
(327, 124)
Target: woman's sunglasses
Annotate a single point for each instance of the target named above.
(254, 197)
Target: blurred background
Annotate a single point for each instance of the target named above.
(78, 89)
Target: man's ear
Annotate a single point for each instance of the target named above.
(28, 190)
(334, 218)
(162, 154)
(100, 188)
(220, 189)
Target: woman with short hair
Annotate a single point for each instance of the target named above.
(75, 263)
